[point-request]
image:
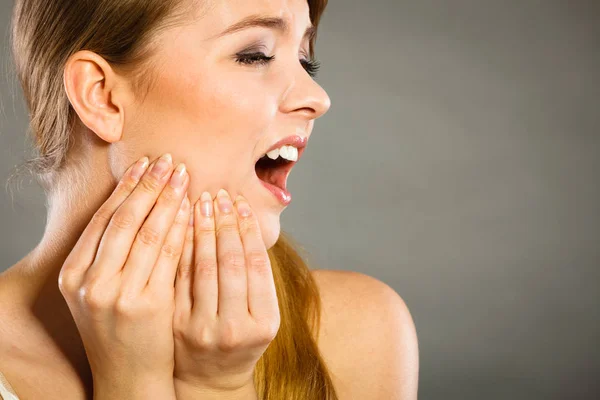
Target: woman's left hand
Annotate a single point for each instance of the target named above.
(226, 309)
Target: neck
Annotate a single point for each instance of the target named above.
(71, 204)
(35, 277)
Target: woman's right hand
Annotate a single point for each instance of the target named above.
(118, 282)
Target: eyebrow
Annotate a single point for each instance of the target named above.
(268, 22)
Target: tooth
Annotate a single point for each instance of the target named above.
(284, 152)
(295, 154)
(273, 154)
(291, 153)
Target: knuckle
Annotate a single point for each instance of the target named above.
(184, 271)
(206, 267)
(226, 229)
(248, 225)
(67, 283)
(102, 218)
(258, 260)
(227, 345)
(150, 184)
(269, 331)
(233, 259)
(204, 231)
(148, 236)
(169, 197)
(123, 219)
(203, 338)
(127, 184)
(267, 328)
(94, 297)
(125, 305)
(230, 338)
(171, 252)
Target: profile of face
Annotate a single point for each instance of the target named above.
(222, 98)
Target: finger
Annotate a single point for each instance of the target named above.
(86, 247)
(127, 219)
(150, 240)
(233, 282)
(262, 295)
(165, 269)
(205, 276)
(184, 276)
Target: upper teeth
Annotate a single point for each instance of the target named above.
(288, 152)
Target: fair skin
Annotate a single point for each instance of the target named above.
(203, 117)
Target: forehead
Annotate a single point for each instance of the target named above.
(217, 15)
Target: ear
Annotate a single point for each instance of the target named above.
(93, 89)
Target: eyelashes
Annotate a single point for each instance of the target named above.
(260, 58)
(311, 66)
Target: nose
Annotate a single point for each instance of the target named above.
(305, 96)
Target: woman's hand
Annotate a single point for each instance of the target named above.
(226, 309)
(118, 282)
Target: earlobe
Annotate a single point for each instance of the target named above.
(91, 86)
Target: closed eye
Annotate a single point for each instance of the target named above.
(260, 58)
(254, 58)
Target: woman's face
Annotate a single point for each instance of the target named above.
(218, 110)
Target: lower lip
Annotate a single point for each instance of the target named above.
(284, 197)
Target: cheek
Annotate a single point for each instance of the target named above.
(225, 121)
(213, 122)
(224, 106)
(216, 117)
(235, 100)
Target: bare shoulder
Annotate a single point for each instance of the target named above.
(27, 355)
(367, 338)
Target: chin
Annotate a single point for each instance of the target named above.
(270, 228)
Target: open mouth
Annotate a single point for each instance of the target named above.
(274, 172)
(274, 167)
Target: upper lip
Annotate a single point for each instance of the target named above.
(297, 141)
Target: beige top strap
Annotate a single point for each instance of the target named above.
(6, 391)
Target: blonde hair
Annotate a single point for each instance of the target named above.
(44, 35)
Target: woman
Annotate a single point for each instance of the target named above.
(148, 115)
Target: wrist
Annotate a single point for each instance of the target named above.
(129, 388)
(193, 391)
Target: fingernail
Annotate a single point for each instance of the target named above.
(242, 206)
(178, 176)
(206, 204)
(162, 166)
(224, 201)
(139, 168)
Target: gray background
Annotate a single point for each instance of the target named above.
(458, 164)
